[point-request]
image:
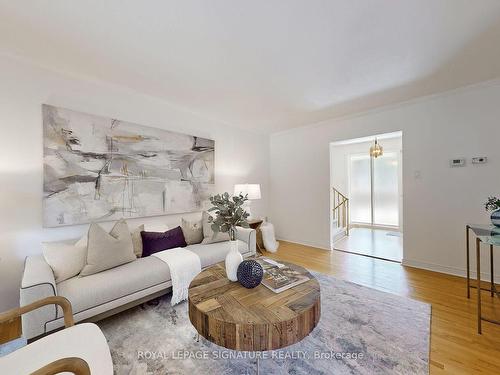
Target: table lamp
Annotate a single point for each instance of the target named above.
(253, 192)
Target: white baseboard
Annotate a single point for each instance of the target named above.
(447, 269)
(456, 271)
(310, 244)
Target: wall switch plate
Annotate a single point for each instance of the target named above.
(457, 162)
(480, 160)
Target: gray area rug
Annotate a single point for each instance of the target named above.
(361, 331)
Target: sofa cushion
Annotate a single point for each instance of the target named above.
(215, 252)
(66, 258)
(193, 231)
(107, 250)
(91, 291)
(152, 242)
(137, 240)
(209, 236)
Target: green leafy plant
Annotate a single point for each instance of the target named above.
(492, 204)
(229, 213)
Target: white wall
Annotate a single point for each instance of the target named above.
(241, 156)
(437, 205)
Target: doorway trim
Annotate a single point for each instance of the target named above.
(365, 139)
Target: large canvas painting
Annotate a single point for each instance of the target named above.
(98, 168)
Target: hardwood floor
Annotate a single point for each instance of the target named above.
(456, 348)
(376, 243)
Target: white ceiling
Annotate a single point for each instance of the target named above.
(264, 64)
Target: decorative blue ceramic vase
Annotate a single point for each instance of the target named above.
(495, 218)
(250, 273)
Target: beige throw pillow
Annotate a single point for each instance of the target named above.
(66, 258)
(107, 250)
(137, 240)
(156, 227)
(193, 231)
(208, 233)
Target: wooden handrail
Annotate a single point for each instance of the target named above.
(71, 364)
(55, 300)
(341, 209)
(339, 193)
(340, 204)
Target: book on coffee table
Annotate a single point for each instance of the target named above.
(279, 277)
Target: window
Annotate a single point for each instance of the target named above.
(374, 189)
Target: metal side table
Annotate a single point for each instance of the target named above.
(489, 235)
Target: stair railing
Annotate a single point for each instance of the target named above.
(341, 210)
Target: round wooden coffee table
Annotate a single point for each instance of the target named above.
(229, 315)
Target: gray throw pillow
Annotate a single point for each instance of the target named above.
(208, 233)
(107, 250)
(193, 231)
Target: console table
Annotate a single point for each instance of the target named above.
(489, 235)
(255, 224)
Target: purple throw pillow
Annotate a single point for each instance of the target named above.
(152, 242)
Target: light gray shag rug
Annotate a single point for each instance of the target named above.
(361, 331)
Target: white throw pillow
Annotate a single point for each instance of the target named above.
(208, 234)
(107, 250)
(66, 258)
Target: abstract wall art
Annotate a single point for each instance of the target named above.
(98, 169)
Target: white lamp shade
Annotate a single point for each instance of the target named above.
(253, 190)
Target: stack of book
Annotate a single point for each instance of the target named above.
(279, 277)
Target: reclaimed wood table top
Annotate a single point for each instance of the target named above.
(232, 316)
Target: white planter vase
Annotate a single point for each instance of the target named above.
(233, 260)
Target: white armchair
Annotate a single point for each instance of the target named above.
(80, 349)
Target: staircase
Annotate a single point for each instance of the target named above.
(340, 216)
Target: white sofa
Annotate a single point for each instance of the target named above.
(106, 293)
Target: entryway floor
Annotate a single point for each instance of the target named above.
(376, 243)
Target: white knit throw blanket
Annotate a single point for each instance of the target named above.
(184, 266)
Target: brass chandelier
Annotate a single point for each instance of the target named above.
(376, 150)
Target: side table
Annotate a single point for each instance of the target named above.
(489, 235)
(255, 224)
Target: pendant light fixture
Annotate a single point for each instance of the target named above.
(376, 150)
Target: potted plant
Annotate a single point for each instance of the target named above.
(493, 205)
(229, 214)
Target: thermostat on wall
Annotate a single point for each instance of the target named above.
(457, 162)
(479, 160)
